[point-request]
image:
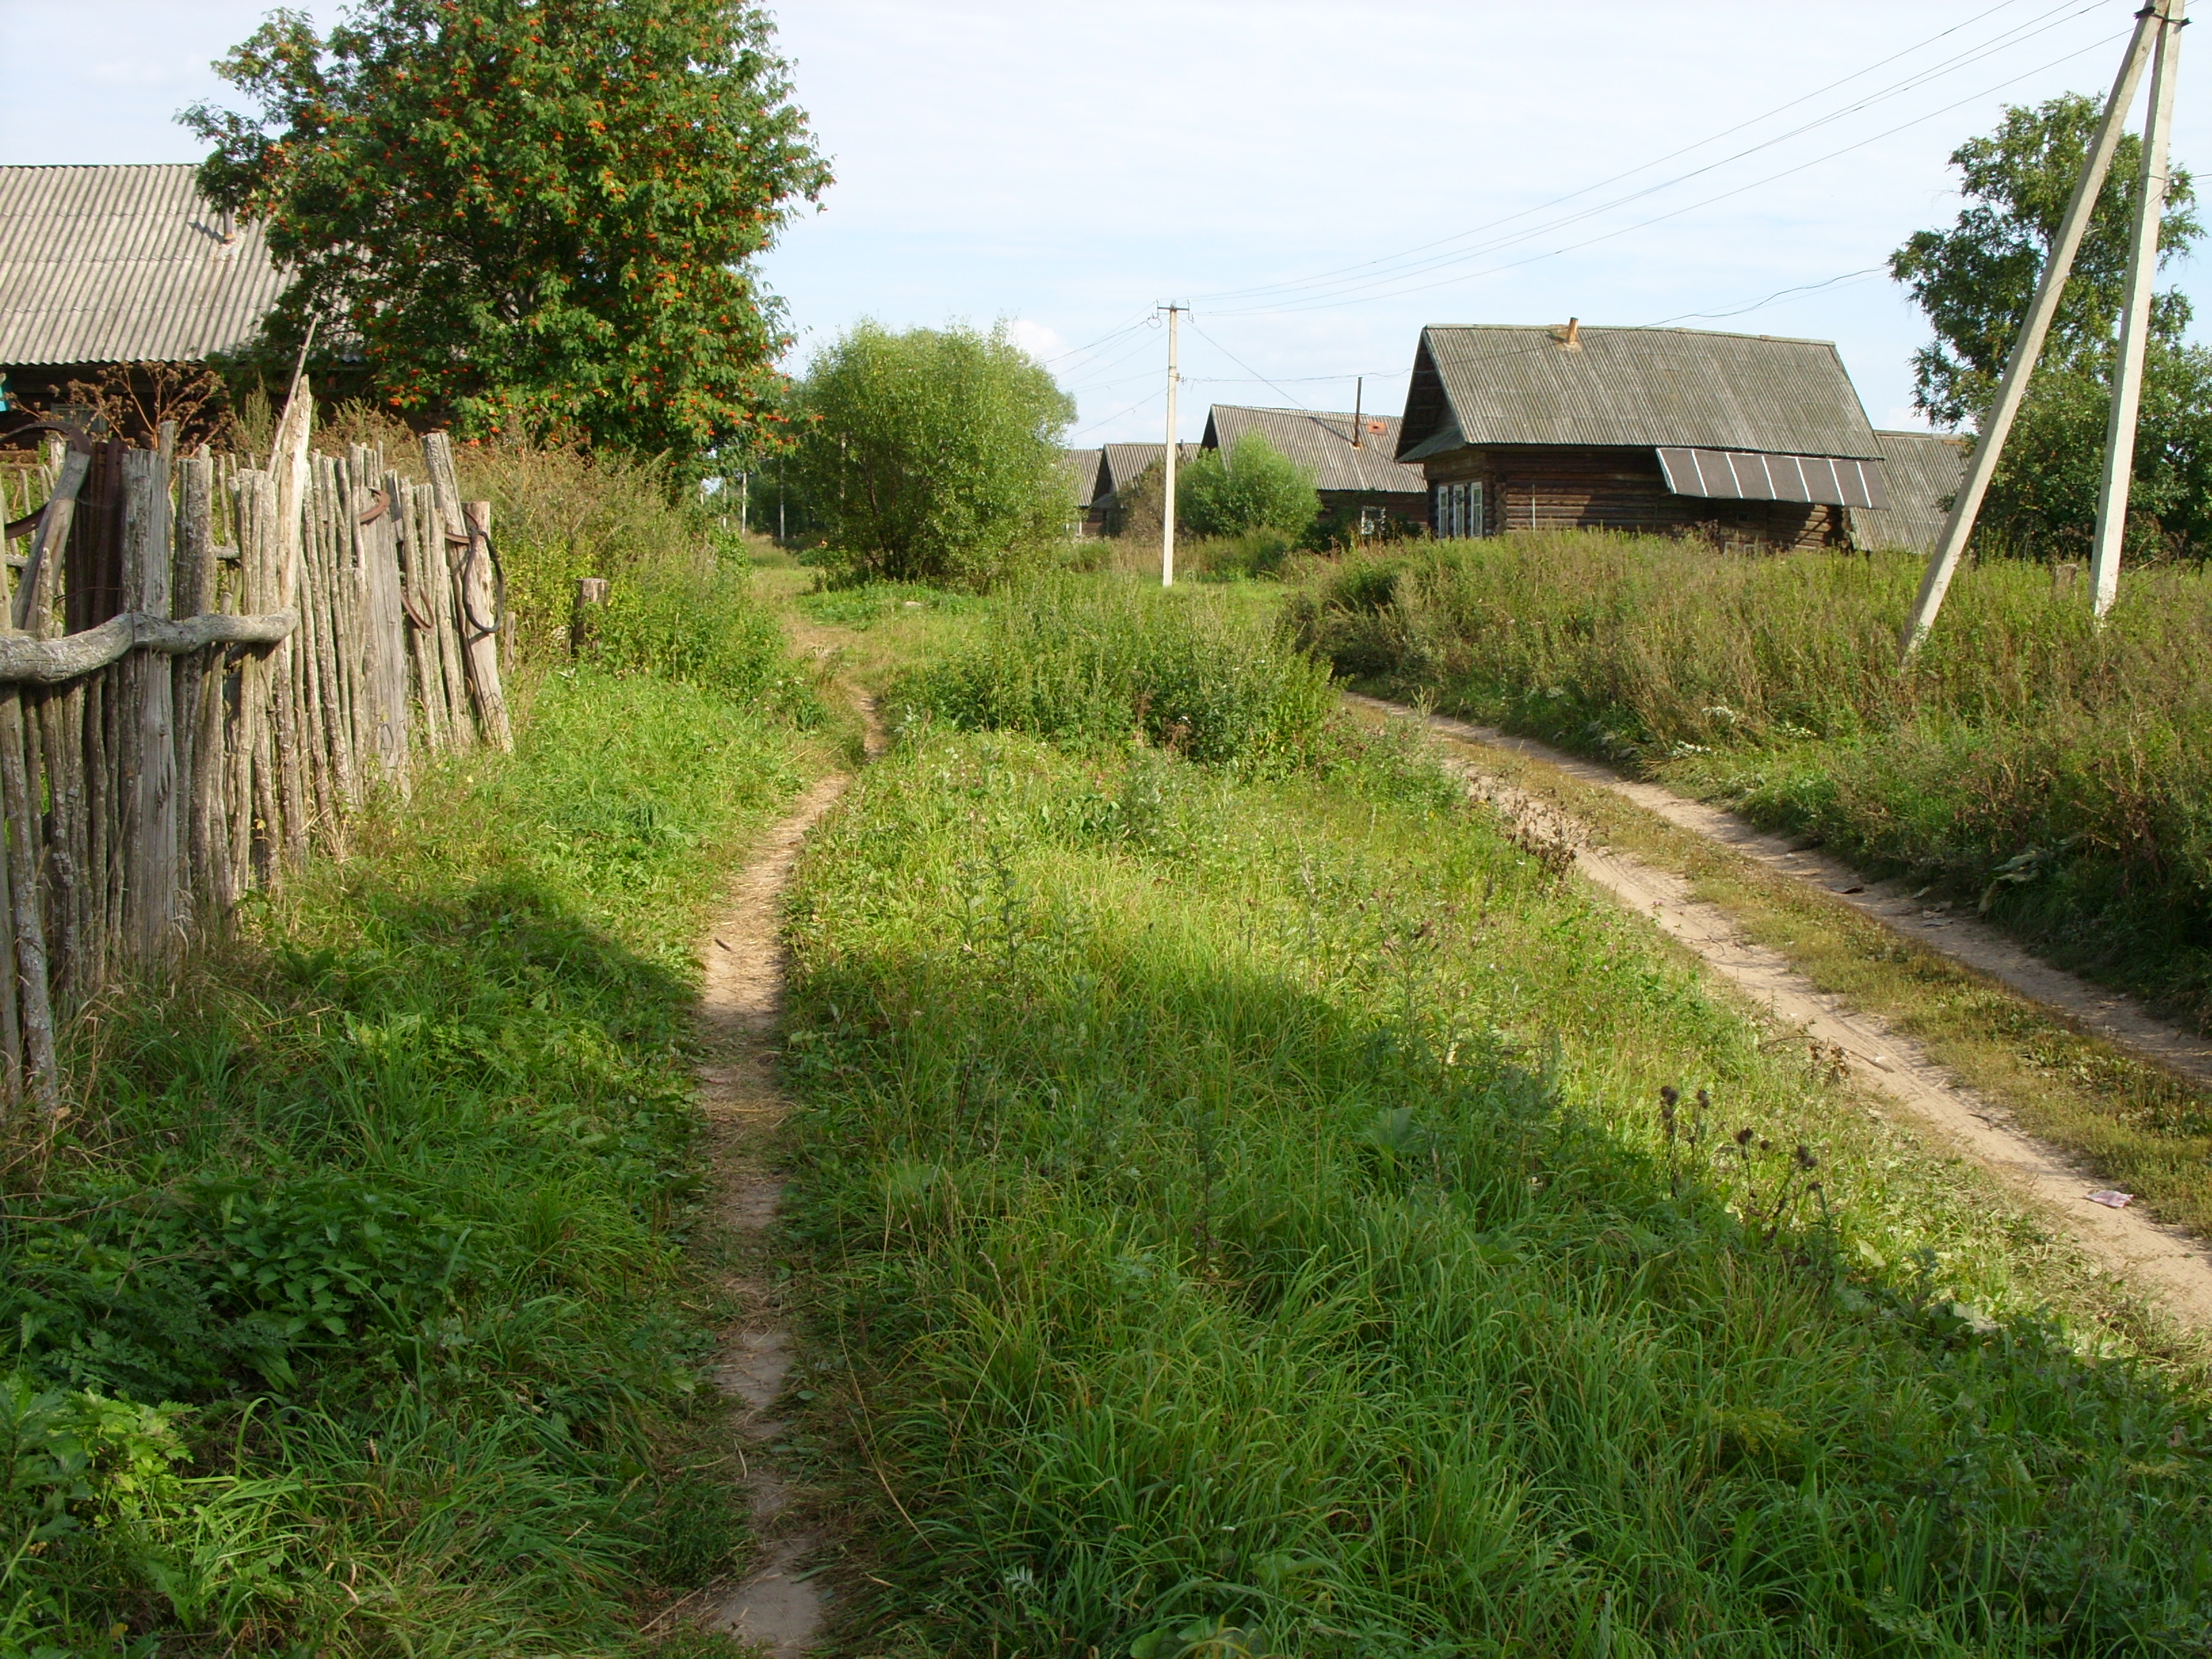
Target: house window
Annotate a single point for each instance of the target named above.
(1459, 511)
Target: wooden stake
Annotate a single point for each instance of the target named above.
(43, 1081)
(476, 606)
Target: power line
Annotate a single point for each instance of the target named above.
(1405, 265)
(1351, 297)
(1757, 305)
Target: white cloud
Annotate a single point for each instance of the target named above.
(1035, 338)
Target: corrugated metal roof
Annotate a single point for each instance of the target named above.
(1125, 463)
(124, 264)
(1081, 466)
(1632, 387)
(1740, 475)
(1321, 444)
(1924, 469)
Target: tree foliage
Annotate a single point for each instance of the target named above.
(1975, 281)
(933, 455)
(1254, 487)
(532, 215)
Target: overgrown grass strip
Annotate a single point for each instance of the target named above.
(1254, 1223)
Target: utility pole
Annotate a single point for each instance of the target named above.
(2135, 316)
(1168, 459)
(1997, 425)
(1358, 407)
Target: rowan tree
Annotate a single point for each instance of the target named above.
(529, 215)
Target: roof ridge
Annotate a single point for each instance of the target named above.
(1628, 328)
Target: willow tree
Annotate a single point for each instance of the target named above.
(528, 215)
(933, 455)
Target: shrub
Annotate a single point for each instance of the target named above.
(1254, 487)
(933, 456)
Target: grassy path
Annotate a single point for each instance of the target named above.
(2077, 1067)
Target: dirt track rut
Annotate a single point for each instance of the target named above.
(2171, 1266)
(777, 1606)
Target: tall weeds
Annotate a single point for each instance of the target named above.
(1084, 660)
(2054, 774)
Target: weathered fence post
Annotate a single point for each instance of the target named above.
(584, 621)
(150, 792)
(476, 598)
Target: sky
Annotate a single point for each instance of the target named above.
(1316, 181)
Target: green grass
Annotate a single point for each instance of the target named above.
(2052, 774)
(1250, 1220)
(1086, 661)
(347, 1316)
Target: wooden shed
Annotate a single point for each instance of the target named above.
(1747, 438)
(102, 266)
(1120, 472)
(1353, 458)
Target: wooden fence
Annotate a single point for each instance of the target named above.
(207, 666)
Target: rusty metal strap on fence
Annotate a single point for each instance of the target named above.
(25, 661)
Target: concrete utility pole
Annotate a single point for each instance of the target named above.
(1168, 461)
(2135, 317)
(1988, 441)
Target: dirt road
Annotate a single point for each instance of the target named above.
(2172, 1266)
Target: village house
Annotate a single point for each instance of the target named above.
(1352, 456)
(1082, 468)
(104, 268)
(1746, 438)
(1120, 470)
(1924, 471)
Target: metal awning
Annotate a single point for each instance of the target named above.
(1743, 476)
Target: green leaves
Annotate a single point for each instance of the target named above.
(1256, 487)
(531, 216)
(933, 455)
(1975, 280)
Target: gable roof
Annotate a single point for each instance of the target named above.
(1081, 466)
(1321, 444)
(109, 264)
(1632, 388)
(1924, 469)
(1125, 463)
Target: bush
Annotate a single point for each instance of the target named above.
(1254, 487)
(1080, 660)
(933, 456)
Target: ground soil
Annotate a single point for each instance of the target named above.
(777, 1606)
(2171, 1267)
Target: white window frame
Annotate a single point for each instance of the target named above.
(1459, 511)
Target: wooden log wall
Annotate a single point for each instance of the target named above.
(211, 666)
(1568, 487)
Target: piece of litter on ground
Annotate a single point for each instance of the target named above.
(2109, 1199)
(1852, 889)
